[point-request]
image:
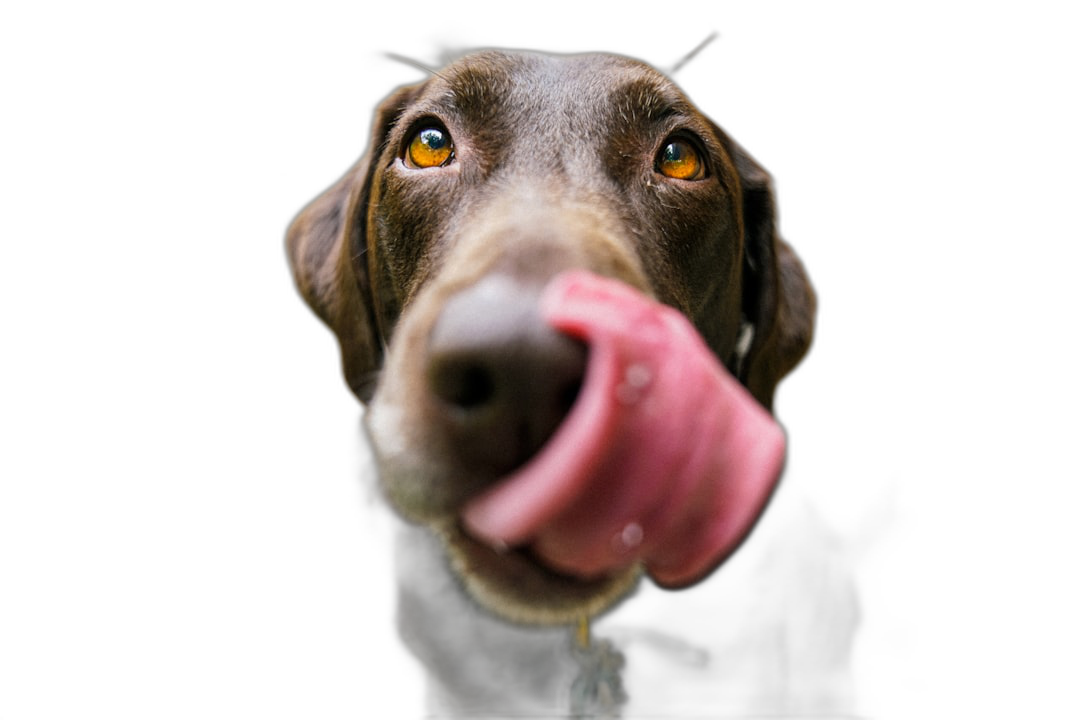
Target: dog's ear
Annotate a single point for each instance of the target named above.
(778, 300)
(327, 249)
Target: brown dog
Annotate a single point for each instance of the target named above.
(479, 185)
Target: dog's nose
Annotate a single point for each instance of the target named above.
(503, 379)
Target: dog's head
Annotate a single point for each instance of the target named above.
(481, 184)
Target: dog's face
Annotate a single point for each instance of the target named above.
(428, 258)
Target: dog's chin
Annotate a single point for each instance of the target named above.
(515, 586)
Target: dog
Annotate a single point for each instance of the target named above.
(481, 185)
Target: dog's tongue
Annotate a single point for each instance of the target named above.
(665, 458)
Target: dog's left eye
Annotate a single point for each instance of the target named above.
(680, 160)
(429, 147)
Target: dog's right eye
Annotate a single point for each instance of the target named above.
(680, 160)
(429, 147)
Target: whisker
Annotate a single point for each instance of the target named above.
(690, 55)
(414, 64)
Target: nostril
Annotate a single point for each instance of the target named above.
(500, 379)
(463, 383)
(567, 396)
(500, 406)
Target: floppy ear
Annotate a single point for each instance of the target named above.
(778, 300)
(327, 249)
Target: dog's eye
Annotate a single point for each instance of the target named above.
(430, 147)
(680, 160)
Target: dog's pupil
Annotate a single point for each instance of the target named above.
(472, 388)
(433, 139)
(674, 153)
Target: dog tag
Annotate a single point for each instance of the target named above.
(597, 691)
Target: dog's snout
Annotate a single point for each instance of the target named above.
(502, 379)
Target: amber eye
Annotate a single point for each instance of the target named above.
(430, 147)
(680, 160)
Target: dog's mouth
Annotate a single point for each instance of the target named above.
(664, 463)
(662, 466)
(523, 588)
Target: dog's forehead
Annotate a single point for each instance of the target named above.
(564, 84)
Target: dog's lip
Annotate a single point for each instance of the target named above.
(484, 554)
(517, 585)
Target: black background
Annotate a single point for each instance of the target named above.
(268, 595)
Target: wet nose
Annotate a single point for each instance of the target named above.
(502, 378)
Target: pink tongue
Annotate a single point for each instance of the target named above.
(665, 457)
